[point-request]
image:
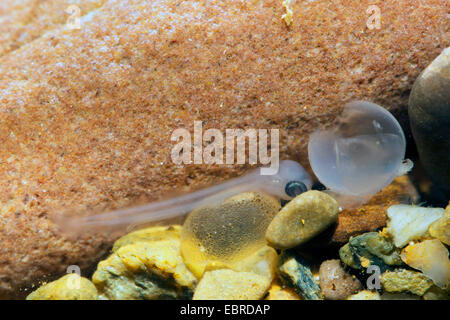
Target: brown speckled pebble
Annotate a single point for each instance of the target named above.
(301, 219)
(335, 282)
(86, 115)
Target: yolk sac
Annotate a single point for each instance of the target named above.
(361, 153)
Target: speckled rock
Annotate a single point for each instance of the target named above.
(440, 229)
(26, 20)
(295, 272)
(429, 114)
(406, 281)
(87, 114)
(145, 270)
(301, 219)
(335, 282)
(373, 214)
(227, 284)
(69, 287)
(370, 248)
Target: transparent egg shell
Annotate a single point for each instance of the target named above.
(361, 153)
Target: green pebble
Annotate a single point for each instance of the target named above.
(295, 272)
(370, 249)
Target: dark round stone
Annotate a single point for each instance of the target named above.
(429, 114)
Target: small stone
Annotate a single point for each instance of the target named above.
(149, 234)
(408, 223)
(335, 282)
(301, 219)
(405, 281)
(430, 257)
(440, 229)
(69, 287)
(365, 295)
(398, 296)
(145, 270)
(280, 292)
(263, 262)
(227, 284)
(436, 293)
(228, 232)
(370, 248)
(295, 272)
(429, 115)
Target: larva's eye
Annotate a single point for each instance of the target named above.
(294, 188)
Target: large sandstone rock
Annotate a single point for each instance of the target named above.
(22, 21)
(86, 115)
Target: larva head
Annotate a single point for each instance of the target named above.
(290, 181)
(361, 154)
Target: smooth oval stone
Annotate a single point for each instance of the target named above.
(429, 115)
(301, 219)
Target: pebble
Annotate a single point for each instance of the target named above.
(405, 281)
(440, 229)
(430, 257)
(295, 272)
(145, 270)
(407, 223)
(301, 219)
(370, 248)
(263, 262)
(226, 284)
(436, 293)
(365, 295)
(228, 232)
(279, 292)
(429, 115)
(398, 296)
(69, 287)
(336, 283)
